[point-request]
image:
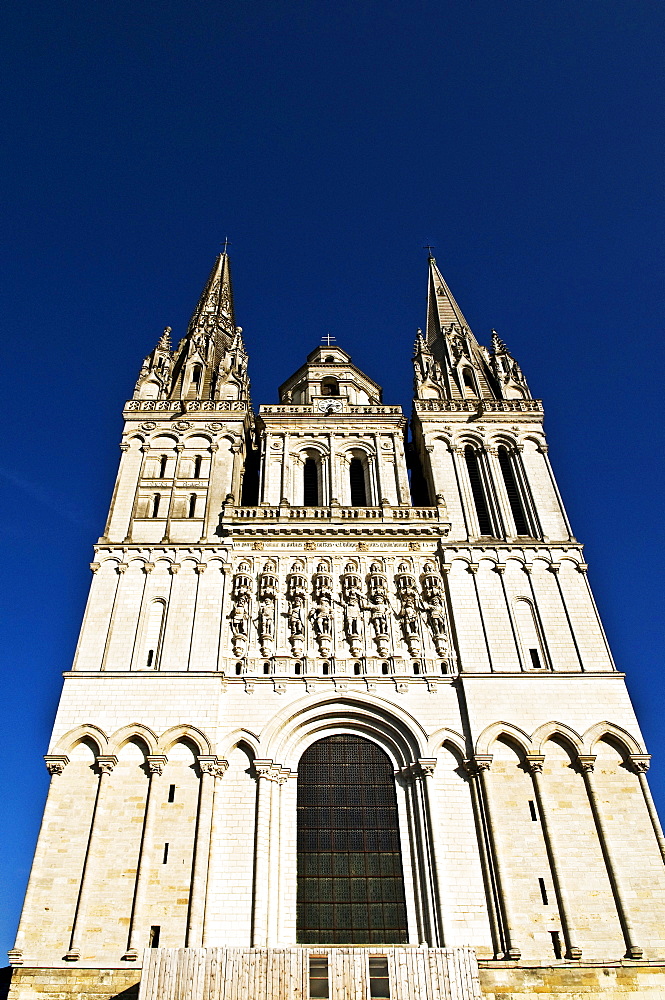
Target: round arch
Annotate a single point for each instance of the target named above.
(298, 726)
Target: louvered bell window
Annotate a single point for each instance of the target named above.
(513, 491)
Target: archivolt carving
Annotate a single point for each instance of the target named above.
(492, 733)
(134, 731)
(617, 734)
(78, 735)
(298, 725)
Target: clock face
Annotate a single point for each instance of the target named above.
(329, 405)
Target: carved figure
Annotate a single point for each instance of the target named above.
(295, 618)
(239, 621)
(436, 610)
(379, 611)
(266, 626)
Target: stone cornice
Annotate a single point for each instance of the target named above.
(186, 406)
(471, 406)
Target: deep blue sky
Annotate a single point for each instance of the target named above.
(330, 141)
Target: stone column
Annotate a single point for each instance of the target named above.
(633, 950)
(263, 770)
(640, 765)
(214, 496)
(55, 764)
(485, 858)
(105, 766)
(403, 490)
(535, 764)
(464, 489)
(237, 449)
(155, 767)
(199, 568)
(482, 765)
(426, 887)
(121, 569)
(424, 775)
(500, 569)
(554, 569)
(278, 776)
(210, 767)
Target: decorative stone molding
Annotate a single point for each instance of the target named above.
(56, 763)
(107, 763)
(535, 763)
(156, 763)
(481, 762)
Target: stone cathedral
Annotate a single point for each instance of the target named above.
(342, 721)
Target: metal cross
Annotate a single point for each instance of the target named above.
(328, 339)
(226, 244)
(429, 249)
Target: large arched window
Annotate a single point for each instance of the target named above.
(311, 496)
(478, 491)
(357, 483)
(350, 881)
(513, 491)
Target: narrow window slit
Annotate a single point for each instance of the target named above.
(556, 944)
(543, 891)
(171, 797)
(535, 659)
(165, 856)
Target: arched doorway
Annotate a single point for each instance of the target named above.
(350, 881)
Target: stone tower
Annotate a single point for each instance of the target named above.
(342, 719)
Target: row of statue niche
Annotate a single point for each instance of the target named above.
(414, 606)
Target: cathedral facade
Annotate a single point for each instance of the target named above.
(342, 720)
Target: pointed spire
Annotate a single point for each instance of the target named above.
(214, 313)
(442, 309)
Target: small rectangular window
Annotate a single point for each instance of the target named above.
(556, 944)
(171, 793)
(532, 810)
(318, 977)
(153, 940)
(379, 983)
(543, 891)
(165, 857)
(535, 659)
